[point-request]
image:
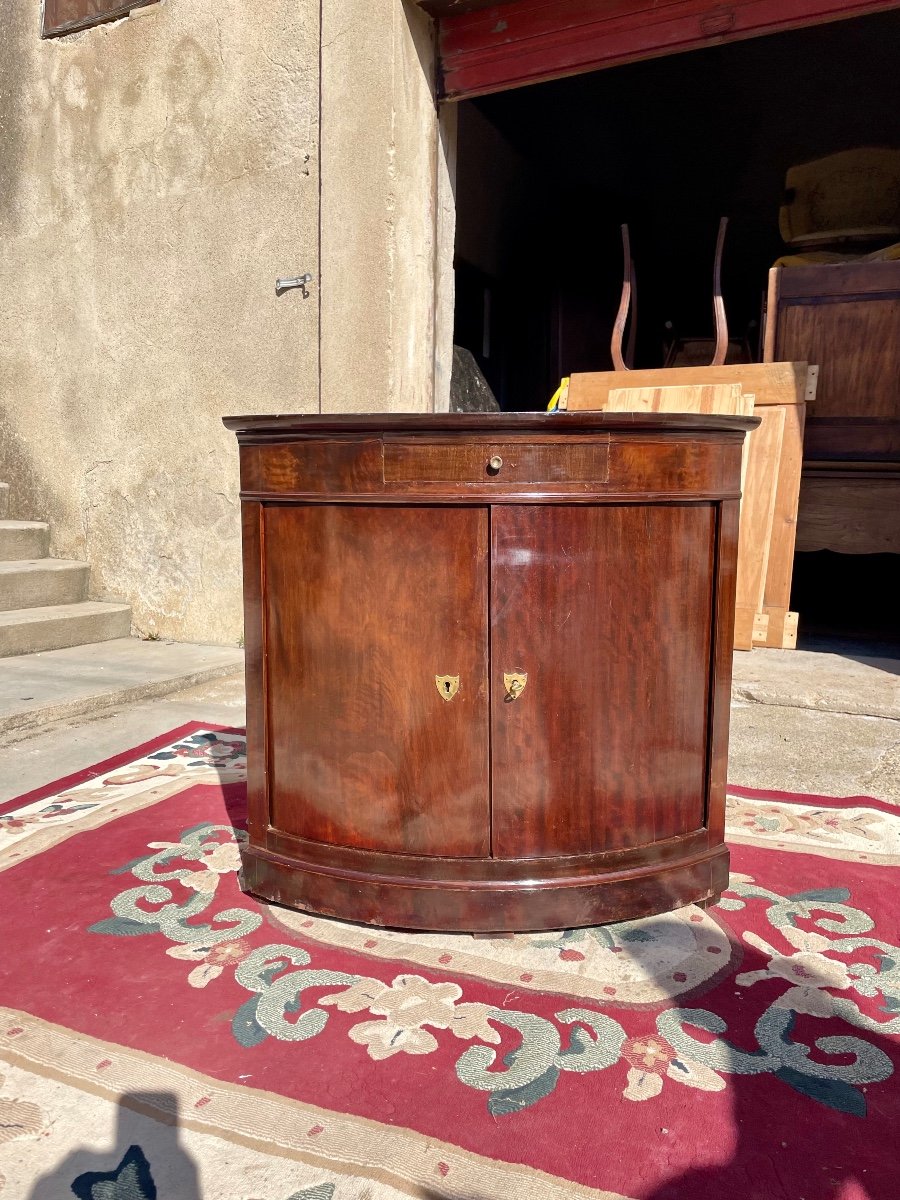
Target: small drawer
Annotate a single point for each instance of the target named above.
(498, 463)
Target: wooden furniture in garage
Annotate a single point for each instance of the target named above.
(846, 317)
(488, 664)
(777, 393)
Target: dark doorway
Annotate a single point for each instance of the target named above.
(546, 175)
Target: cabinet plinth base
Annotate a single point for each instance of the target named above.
(498, 906)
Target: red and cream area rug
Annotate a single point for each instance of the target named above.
(165, 1037)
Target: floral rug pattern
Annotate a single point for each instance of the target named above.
(338, 1062)
(182, 878)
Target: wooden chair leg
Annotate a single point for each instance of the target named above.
(624, 305)
(718, 303)
(632, 322)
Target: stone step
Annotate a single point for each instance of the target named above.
(23, 540)
(37, 583)
(4, 500)
(26, 630)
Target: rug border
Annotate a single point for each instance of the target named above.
(66, 1048)
(813, 798)
(116, 760)
(179, 731)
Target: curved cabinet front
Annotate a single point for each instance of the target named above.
(488, 665)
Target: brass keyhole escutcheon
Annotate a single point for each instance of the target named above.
(447, 685)
(514, 682)
(494, 465)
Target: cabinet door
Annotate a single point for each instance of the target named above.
(608, 609)
(364, 607)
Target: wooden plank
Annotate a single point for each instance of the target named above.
(780, 568)
(749, 628)
(702, 398)
(838, 280)
(758, 511)
(535, 40)
(781, 629)
(770, 382)
(760, 629)
(852, 439)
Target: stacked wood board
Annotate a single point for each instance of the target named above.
(778, 394)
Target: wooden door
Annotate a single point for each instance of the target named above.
(608, 610)
(374, 603)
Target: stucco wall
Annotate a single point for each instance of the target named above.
(379, 155)
(156, 175)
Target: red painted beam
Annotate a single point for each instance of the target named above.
(531, 41)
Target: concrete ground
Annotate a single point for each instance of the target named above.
(31, 760)
(82, 681)
(802, 750)
(791, 729)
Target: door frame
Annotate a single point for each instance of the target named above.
(532, 41)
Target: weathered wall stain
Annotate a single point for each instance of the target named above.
(156, 175)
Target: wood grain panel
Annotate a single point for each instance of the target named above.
(677, 396)
(319, 465)
(846, 317)
(644, 465)
(366, 606)
(852, 439)
(850, 516)
(606, 746)
(456, 461)
(856, 343)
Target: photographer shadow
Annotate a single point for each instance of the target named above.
(145, 1162)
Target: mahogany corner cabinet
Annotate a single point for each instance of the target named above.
(488, 664)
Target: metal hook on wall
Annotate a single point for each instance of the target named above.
(285, 285)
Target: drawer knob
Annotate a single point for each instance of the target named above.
(494, 464)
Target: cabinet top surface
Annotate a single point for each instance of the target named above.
(525, 422)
